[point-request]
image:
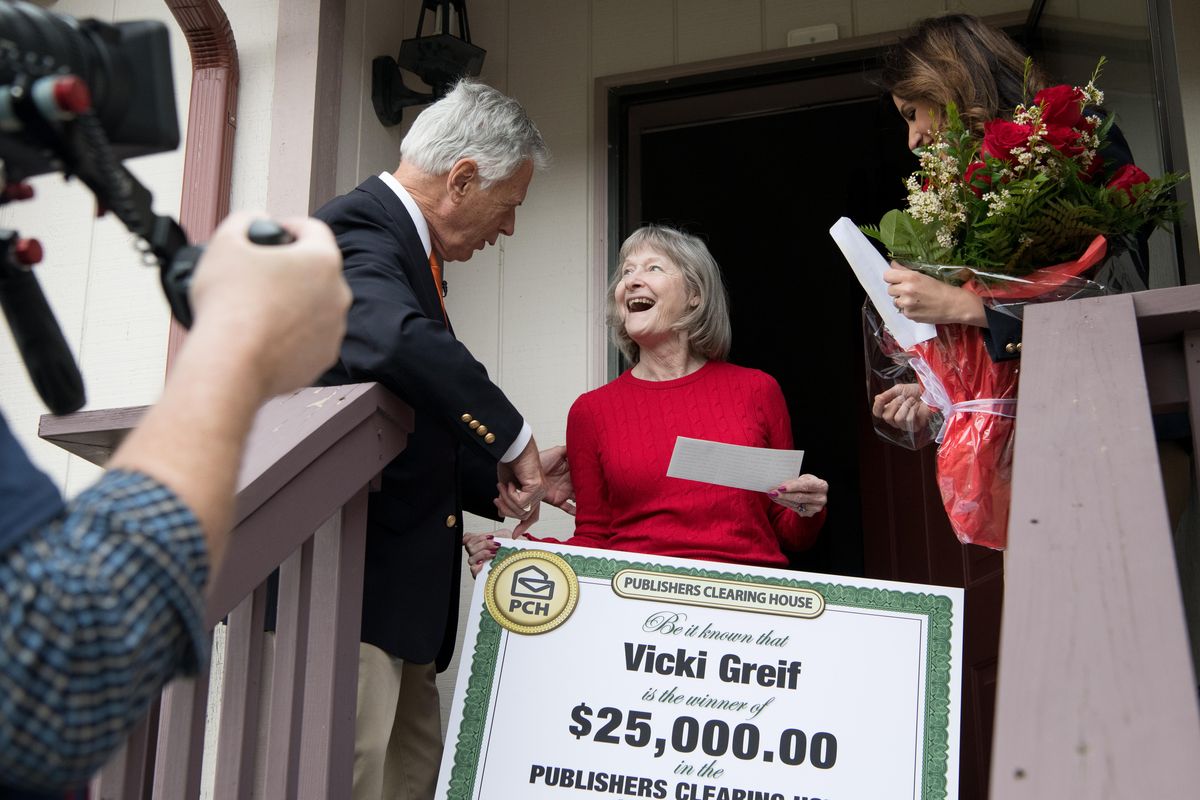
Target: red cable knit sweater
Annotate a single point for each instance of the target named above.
(619, 443)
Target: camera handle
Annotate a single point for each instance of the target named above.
(34, 328)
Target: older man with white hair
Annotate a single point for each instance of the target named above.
(465, 167)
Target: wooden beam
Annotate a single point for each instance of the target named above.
(1096, 695)
(304, 115)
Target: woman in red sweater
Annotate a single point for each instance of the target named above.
(668, 311)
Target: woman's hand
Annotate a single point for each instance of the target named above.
(805, 495)
(481, 548)
(925, 299)
(901, 407)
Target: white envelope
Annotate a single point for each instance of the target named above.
(532, 582)
(869, 267)
(759, 469)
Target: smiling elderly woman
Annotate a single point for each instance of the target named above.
(668, 312)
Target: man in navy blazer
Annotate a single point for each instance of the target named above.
(465, 166)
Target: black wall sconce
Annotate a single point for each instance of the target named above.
(440, 59)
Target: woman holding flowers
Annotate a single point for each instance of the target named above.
(1022, 192)
(958, 60)
(668, 312)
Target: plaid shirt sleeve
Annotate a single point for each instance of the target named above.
(98, 610)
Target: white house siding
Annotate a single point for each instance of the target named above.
(528, 308)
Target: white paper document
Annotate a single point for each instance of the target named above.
(869, 267)
(759, 469)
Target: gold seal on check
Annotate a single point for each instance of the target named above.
(531, 591)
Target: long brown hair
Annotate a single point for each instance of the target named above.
(957, 58)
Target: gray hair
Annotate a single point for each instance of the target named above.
(477, 122)
(707, 325)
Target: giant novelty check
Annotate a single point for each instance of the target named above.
(593, 673)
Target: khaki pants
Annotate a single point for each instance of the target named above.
(398, 737)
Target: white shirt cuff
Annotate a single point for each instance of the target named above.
(518, 444)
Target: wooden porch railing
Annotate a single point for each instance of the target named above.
(1097, 695)
(301, 508)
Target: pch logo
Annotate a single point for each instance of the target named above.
(531, 591)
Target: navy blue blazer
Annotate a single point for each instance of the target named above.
(396, 335)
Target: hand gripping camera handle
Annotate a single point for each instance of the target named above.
(177, 276)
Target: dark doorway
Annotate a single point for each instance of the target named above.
(761, 171)
(763, 191)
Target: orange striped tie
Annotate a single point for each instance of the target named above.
(435, 267)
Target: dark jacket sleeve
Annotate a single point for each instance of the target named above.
(1002, 336)
(477, 478)
(391, 338)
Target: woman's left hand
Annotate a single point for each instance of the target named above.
(805, 495)
(925, 299)
(901, 407)
(481, 547)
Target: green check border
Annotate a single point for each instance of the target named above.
(938, 610)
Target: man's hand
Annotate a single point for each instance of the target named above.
(281, 308)
(925, 299)
(560, 491)
(522, 487)
(901, 407)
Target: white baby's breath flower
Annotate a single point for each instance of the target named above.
(997, 201)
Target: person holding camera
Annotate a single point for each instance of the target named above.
(101, 598)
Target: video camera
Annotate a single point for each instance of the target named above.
(78, 97)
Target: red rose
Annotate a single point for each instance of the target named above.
(1127, 177)
(1063, 139)
(1001, 137)
(1061, 105)
(969, 177)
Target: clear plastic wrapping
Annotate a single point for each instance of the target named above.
(969, 399)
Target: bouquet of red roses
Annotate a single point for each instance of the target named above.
(1033, 191)
(1026, 213)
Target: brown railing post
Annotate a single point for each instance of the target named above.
(287, 678)
(1096, 691)
(331, 680)
(130, 773)
(180, 750)
(240, 694)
